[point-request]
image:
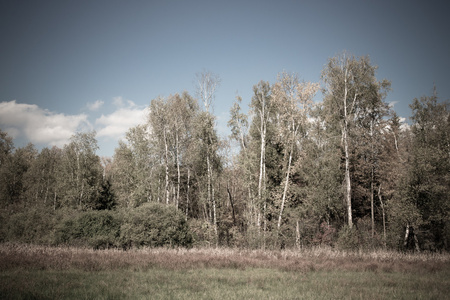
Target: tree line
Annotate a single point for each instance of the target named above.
(343, 171)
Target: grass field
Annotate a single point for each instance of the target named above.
(35, 272)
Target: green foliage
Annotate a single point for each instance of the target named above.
(422, 199)
(311, 168)
(155, 225)
(96, 229)
(79, 173)
(33, 226)
(202, 233)
(326, 235)
(348, 238)
(359, 237)
(13, 172)
(106, 198)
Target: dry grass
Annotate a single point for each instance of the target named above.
(38, 272)
(30, 257)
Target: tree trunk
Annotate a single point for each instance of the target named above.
(208, 188)
(187, 192)
(215, 217)
(383, 214)
(371, 181)
(178, 173)
(286, 184)
(348, 195)
(262, 162)
(372, 206)
(405, 242)
(82, 193)
(416, 243)
(347, 156)
(166, 162)
(232, 205)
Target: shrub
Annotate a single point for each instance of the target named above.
(360, 237)
(348, 238)
(155, 225)
(325, 235)
(202, 232)
(34, 226)
(97, 229)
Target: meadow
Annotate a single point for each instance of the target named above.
(39, 272)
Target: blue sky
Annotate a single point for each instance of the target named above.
(83, 65)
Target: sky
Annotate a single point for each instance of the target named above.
(68, 66)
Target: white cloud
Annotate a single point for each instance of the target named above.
(403, 124)
(392, 104)
(116, 124)
(96, 105)
(120, 102)
(39, 125)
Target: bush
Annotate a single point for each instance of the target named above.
(326, 235)
(348, 238)
(33, 226)
(155, 225)
(202, 233)
(96, 229)
(359, 237)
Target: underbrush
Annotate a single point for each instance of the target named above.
(25, 257)
(149, 225)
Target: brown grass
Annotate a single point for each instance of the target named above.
(26, 257)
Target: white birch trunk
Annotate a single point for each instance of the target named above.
(347, 158)
(178, 173)
(286, 184)
(383, 214)
(297, 237)
(405, 242)
(166, 162)
(187, 192)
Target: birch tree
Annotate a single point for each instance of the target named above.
(349, 87)
(13, 174)
(80, 171)
(239, 126)
(182, 109)
(41, 177)
(261, 108)
(293, 100)
(207, 84)
(427, 182)
(161, 124)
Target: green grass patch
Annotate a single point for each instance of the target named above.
(210, 283)
(36, 272)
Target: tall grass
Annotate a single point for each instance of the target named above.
(39, 272)
(22, 256)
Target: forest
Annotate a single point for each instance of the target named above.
(295, 172)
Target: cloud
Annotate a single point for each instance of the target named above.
(116, 124)
(39, 125)
(95, 106)
(120, 102)
(392, 104)
(404, 124)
